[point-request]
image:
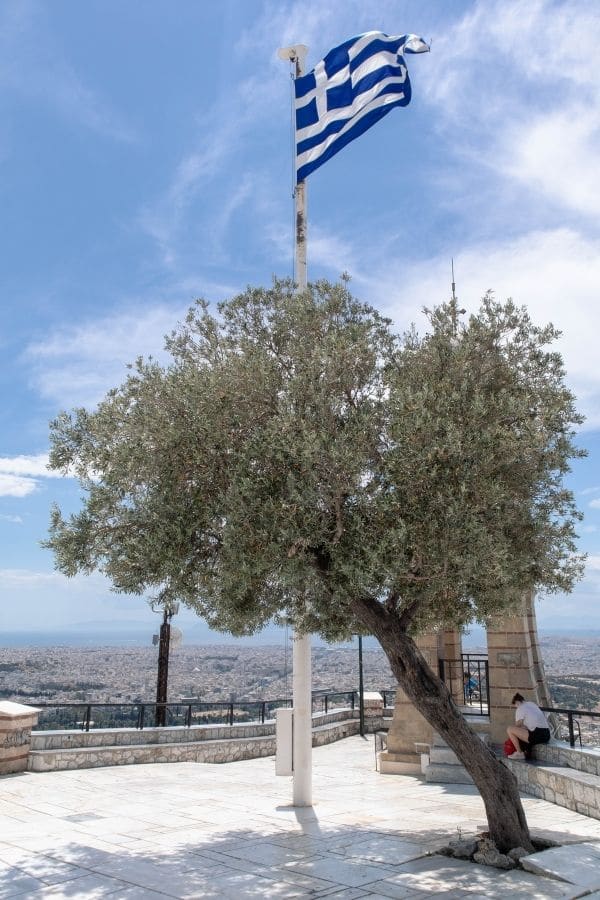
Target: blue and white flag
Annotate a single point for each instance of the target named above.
(356, 84)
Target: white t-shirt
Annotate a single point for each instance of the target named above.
(531, 716)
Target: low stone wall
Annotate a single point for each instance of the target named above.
(127, 754)
(60, 750)
(123, 737)
(111, 737)
(563, 775)
(559, 753)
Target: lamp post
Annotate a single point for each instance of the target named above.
(168, 610)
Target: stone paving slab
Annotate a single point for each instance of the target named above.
(202, 830)
(435, 874)
(577, 864)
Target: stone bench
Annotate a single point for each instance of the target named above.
(563, 775)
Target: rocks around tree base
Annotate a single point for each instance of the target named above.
(483, 851)
(488, 855)
(461, 848)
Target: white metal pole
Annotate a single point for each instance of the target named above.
(301, 656)
(302, 678)
(300, 220)
(302, 735)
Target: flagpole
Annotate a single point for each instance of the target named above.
(301, 655)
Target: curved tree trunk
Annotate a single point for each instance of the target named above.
(495, 782)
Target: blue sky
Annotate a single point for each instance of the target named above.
(145, 160)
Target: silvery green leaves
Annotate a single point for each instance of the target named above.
(297, 455)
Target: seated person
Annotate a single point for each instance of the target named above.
(531, 727)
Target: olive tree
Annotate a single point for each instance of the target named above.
(298, 459)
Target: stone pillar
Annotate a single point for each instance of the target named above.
(16, 722)
(450, 648)
(373, 707)
(408, 725)
(514, 665)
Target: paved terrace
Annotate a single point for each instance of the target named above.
(199, 830)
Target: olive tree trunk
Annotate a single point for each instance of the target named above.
(495, 782)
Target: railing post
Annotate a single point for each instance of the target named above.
(571, 730)
(262, 712)
(88, 715)
(326, 703)
(486, 669)
(188, 720)
(231, 713)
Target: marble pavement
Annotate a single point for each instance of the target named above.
(200, 830)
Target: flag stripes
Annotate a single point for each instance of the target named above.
(353, 87)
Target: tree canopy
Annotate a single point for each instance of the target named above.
(297, 454)
(299, 459)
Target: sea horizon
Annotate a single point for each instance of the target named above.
(140, 639)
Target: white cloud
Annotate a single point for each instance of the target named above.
(19, 475)
(26, 465)
(514, 50)
(16, 520)
(16, 486)
(595, 504)
(76, 366)
(558, 155)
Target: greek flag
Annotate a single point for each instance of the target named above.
(356, 84)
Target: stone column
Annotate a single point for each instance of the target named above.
(450, 648)
(373, 707)
(408, 725)
(514, 665)
(16, 722)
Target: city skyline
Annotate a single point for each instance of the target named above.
(146, 161)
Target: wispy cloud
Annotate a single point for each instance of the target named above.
(594, 504)
(76, 366)
(510, 46)
(228, 128)
(20, 476)
(30, 466)
(16, 486)
(16, 520)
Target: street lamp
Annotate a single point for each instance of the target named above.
(168, 609)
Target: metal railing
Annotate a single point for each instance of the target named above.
(574, 717)
(86, 716)
(467, 680)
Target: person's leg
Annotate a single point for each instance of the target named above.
(518, 733)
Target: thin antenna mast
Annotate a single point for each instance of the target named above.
(453, 284)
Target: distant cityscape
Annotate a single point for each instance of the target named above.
(229, 673)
